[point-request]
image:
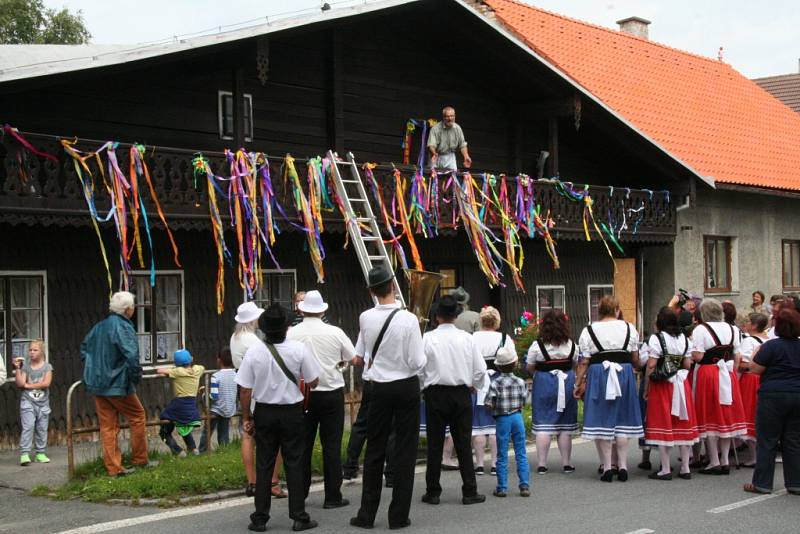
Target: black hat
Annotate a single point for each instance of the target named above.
(274, 319)
(448, 307)
(378, 276)
(461, 295)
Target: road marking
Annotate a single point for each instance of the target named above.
(746, 502)
(222, 505)
(641, 531)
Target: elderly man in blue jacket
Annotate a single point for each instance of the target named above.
(110, 355)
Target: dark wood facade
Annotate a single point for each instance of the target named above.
(349, 86)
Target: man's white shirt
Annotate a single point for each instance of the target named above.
(329, 345)
(453, 359)
(261, 373)
(400, 354)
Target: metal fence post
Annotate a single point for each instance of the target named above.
(70, 444)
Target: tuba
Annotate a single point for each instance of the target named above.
(422, 287)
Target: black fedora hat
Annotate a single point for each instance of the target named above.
(274, 319)
(448, 307)
(378, 276)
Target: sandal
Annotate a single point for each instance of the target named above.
(278, 492)
(750, 488)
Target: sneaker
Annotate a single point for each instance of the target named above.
(182, 454)
(195, 452)
(499, 493)
(569, 468)
(479, 470)
(524, 491)
(42, 458)
(493, 471)
(125, 472)
(25, 459)
(541, 470)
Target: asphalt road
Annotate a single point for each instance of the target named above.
(561, 503)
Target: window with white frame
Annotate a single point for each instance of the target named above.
(226, 111)
(279, 286)
(160, 316)
(549, 298)
(23, 312)
(595, 293)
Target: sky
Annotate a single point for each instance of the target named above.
(758, 38)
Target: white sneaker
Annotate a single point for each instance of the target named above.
(182, 454)
(195, 452)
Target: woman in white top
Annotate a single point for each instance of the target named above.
(554, 409)
(488, 340)
(605, 382)
(755, 328)
(245, 336)
(717, 398)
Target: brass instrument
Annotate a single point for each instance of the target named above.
(342, 366)
(422, 287)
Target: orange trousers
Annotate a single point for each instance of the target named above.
(108, 412)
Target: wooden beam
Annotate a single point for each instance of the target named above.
(238, 107)
(552, 147)
(335, 92)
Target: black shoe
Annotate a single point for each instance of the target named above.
(341, 503)
(448, 467)
(622, 475)
(724, 470)
(716, 470)
(402, 524)
(646, 465)
(473, 499)
(479, 471)
(498, 493)
(257, 527)
(600, 470)
(430, 499)
(685, 476)
(308, 524)
(541, 470)
(608, 476)
(349, 475)
(389, 482)
(360, 523)
(569, 468)
(493, 471)
(250, 490)
(655, 476)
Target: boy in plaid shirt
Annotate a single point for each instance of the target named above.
(506, 397)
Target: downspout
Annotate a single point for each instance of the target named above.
(686, 204)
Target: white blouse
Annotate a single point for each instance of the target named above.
(488, 342)
(675, 345)
(556, 352)
(702, 340)
(749, 346)
(611, 335)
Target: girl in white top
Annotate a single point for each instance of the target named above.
(487, 340)
(756, 335)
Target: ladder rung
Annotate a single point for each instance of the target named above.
(370, 238)
(376, 258)
(363, 219)
(351, 181)
(344, 162)
(356, 199)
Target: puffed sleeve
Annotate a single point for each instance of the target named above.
(585, 344)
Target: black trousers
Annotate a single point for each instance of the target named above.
(393, 406)
(449, 405)
(279, 426)
(326, 413)
(358, 436)
(777, 421)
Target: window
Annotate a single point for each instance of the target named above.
(159, 318)
(597, 292)
(718, 263)
(549, 298)
(791, 265)
(449, 282)
(279, 286)
(23, 312)
(226, 112)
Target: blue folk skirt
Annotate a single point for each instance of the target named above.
(609, 419)
(182, 410)
(482, 419)
(544, 400)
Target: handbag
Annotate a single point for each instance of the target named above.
(669, 364)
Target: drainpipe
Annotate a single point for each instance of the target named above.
(686, 204)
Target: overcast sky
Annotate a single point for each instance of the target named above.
(759, 38)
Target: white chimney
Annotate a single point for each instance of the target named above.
(634, 26)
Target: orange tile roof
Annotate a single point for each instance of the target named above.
(700, 110)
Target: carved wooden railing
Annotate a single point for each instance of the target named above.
(48, 192)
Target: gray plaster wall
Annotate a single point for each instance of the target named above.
(657, 282)
(757, 223)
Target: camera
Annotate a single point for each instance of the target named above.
(683, 296)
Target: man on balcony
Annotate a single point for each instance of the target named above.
(444, 139)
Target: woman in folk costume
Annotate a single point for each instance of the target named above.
(756, 335)
(605, 381)
(671, 418)
(488, 340)
(717, 398)
(555, 410)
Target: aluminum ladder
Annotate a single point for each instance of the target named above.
(367, 242)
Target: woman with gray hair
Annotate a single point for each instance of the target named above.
(718, 400)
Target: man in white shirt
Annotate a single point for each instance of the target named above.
(270, 374)
(330, 347)
(390, 348)
(454, 367)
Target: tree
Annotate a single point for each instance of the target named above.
(29, 22)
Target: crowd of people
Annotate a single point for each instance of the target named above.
(708, 381)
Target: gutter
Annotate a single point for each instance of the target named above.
(505, 32)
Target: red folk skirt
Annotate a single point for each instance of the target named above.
(663, 428)
(713, 418)
(749, 384)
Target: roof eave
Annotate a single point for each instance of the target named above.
(513, 38)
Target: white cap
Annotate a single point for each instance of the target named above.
(248, 312)
(312, 303)
(505, 356)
